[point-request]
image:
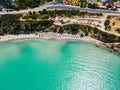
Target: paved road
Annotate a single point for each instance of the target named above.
(24, 11)
(65, 7)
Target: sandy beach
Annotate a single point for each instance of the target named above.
(47, 36)
(57, 36)
(17, 37)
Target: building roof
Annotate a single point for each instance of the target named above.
(57, 21)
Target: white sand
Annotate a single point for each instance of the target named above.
(15, 37)
(48, 36)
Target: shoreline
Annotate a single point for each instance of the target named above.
(48, 36)
(57, 36)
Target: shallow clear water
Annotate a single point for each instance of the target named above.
(57, 65)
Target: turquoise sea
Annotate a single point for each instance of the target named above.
(57, 65)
